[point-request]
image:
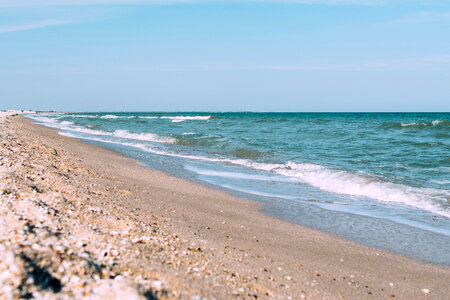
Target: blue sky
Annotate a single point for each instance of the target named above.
(312, 55)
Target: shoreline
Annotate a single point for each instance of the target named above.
(236, 238)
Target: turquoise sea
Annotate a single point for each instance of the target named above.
(380, 179)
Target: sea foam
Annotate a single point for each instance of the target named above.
(125, 134)
(109, 117)
(425, 124)
(151, 137)
(177, 119)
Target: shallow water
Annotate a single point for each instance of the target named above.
(381, 179)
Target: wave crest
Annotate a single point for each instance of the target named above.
(177, 119)
(151, 137)
(433, 123)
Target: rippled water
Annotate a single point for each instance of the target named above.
(381, 167)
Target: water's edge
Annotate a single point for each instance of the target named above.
(400, 239)
(409, 231)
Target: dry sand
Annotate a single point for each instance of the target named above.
(78, 220)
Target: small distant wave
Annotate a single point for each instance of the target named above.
(77, 116)
(109, 117)
(441, 182)
(94, 116)
(413, 124)
(117, 117)
(436, 122)
(417, 124)
(174, 119)
(426, 124)
(188, 133)
(177, 119)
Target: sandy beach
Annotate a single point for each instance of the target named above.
(78, 220)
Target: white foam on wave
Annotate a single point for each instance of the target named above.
(432, 123)
(65, 125)
(69, 126)
(109, 117)
(125, 134)
(412, 124)
(78, 116)
(81, 129)
(177, 119)
(42, 119)
(151, 137)
(117, 117)
(188, 133)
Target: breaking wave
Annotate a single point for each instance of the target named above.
(426, 124)
(125, 134)
(151, 137)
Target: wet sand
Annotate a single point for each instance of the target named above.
(168, 237)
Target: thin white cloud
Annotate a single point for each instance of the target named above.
(23, 3)
(333, 2)
(423, 63)
(432, 63)
(32, 25)
(26, 3)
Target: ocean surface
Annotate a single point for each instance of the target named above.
(380, 179)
